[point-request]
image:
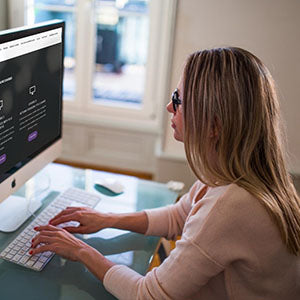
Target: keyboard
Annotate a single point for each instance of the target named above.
(17, 250)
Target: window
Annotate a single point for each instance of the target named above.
(117, 57)
(44, 10)
(122, 29)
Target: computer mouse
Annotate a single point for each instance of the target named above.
(112, 185)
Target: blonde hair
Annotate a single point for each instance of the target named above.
(231, 117)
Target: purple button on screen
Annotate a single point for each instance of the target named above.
(2, 159)
(32, 136)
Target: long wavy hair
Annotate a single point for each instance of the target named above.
(233, 134)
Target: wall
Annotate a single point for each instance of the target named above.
(108, 147)
(268, 28)
(3, 14)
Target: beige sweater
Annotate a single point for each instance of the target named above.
(230, 249)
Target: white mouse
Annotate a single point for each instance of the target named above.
(111, 184)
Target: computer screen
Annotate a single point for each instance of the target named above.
(31, 75)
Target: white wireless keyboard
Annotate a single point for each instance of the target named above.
(17, 250)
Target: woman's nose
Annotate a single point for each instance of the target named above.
(170, 107)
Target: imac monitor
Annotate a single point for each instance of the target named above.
(31, 74)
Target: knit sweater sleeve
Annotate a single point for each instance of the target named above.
(219, 231)
(180, 276)
(169, 221)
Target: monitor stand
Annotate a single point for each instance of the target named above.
(15, 210)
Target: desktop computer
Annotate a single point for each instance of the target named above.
(31, 75)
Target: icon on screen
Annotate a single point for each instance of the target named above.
(32, 136)
(32, 90)
(2, 159)
(1, 104)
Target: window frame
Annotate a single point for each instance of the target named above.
(82, 109)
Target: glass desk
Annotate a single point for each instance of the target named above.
(62, 279)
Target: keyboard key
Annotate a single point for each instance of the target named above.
(47, 254)
(24, 259)
(29, 263)
(17, 257)
(13, 252)
(38, 265)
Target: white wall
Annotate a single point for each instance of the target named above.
(3, 14)
(268, 28)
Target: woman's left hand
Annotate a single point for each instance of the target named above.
(58, 240)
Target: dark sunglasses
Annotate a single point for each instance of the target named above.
(175, 100)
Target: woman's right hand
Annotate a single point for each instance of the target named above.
(90, 221)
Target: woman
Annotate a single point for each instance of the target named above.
(240, 222)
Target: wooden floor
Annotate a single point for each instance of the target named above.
(141, 175)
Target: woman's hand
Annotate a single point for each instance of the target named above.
(90, 221)
(58, 240)
(63, 243)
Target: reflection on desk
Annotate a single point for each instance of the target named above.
(62, 279)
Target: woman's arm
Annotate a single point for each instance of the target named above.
(166, 221)
(183, 273)
(136, 222)
(92, 221)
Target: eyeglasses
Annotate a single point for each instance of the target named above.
(175, 100)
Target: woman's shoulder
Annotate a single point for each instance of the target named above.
(232, 223)
(195, 189)
(236, 197)
(229, 207)
(237, 205)
(231, 192)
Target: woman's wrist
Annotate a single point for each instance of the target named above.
(83, 251)
(94, 261)
(110, 220)
(136, 222)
